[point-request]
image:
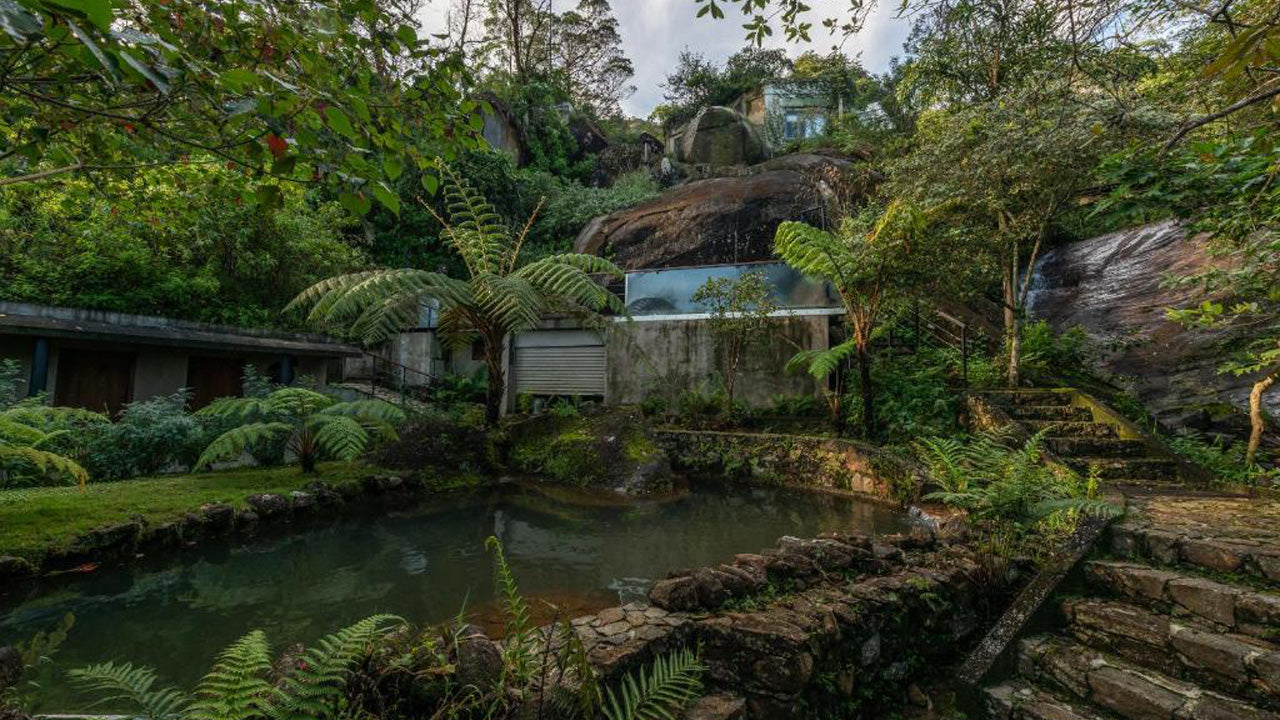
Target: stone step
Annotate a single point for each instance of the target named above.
(1257, 557)
(1061, 413)
(1020, 700)
(1233, 664)
(1101, 447)
(1030, 397)
(1124, 689)
(1073, 429)
(1227, 608)
(1141, 468)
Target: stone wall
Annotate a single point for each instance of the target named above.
(838, 624)
(795, 460)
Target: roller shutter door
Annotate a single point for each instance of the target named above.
(559, 362)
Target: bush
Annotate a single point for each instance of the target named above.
(1048, 356)
(151, 436)
(439, 446)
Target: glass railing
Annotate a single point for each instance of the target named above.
(671, 291)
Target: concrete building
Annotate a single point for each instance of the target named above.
(665, 346)
(788, 110)
(102, 360)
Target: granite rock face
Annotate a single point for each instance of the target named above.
(1113, 286)
(720, 136)
(718, 220)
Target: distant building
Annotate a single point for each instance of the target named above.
(102, 360)
(788, 110)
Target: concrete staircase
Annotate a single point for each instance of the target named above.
(1180, 622)
(1085, 437)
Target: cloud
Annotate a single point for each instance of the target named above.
(654, 32)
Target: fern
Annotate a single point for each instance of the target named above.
(659, 692)
(234, 442)
(236, 687)
(315, 689)
(135, 685)
(45, 462)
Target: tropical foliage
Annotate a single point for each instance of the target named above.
(239, 686)
(741, 315)
(501, 295)
(313, 425)
(996, 480)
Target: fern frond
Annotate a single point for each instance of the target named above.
(565, 276)
(19, 433)
(339, 436)
(234, 407)
(236, 688)
(1092, 507)
(134, 685)
(821, 363)
(658, 693)
(314, 690)
(376, 409)
(812, 251)
(232, 443)
(45, 462)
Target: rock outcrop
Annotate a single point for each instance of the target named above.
(1113, 287)
(719, 220)
(610, 449)
(720, 137)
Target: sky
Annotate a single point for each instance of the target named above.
(655, 31)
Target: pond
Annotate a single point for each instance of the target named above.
(426, 564)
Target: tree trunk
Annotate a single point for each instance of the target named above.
(868, 394)
(497, 386)
(1012, 334)
(1256, 421)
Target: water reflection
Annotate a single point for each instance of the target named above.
(425, 564)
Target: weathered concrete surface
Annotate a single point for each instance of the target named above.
(662, 358)
(720, 220)
(1113, 287)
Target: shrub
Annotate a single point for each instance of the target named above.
(439, 445)
(151, 436)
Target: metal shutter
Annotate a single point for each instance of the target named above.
(559, 363)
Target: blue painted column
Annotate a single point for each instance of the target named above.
(286, 370)
(39, 368)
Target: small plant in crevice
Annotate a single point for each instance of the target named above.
(658, 692)
(1227, 461)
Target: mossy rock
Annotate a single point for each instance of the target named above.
(611, 449)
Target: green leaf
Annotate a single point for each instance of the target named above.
(387, 197)
(145, 71)
(88, 42)
(407, 35)
(355, 203)
(339, 122)
(430, 183)
(97, 12)
(269, 197)
(237, 79)
(393, 168)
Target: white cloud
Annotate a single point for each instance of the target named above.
(655, 31)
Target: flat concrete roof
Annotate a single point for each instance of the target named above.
(96, 325)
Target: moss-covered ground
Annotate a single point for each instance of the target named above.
(36, 522)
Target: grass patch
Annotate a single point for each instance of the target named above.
(35, 522)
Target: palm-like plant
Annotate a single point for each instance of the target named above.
(501, 295)
(873, 261)
(314, 426)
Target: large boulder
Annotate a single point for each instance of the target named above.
(721, 220)
(720, 136)
(1113, 287)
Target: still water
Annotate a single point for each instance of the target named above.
(425, 564)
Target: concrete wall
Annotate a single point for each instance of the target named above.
(666, 357)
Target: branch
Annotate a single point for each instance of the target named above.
(40, 175)
(1190, 125)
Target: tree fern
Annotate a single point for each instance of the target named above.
(236, 688)
(44, 461)
(340, 437)
(500, 295)
(135, 685)
(659, 692)
(315, 689)
(234, 442)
